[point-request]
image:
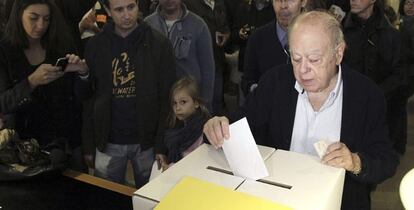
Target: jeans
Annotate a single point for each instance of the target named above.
(111, 164)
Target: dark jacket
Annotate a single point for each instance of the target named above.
(47, 113)
(364, 130)
(154, 76)
(247, 13)
(407, 32)
(263, 52)
(374, 49)
(216, 21)
(193, 51)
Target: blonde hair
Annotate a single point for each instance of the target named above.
(189, 84)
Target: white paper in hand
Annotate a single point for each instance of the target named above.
(155, 171)
(242, 153)
(321, 147)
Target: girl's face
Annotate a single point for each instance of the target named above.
(183, 105)
(35, 20)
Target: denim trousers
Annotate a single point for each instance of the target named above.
(111, 164)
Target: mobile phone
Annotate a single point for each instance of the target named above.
(62, 62)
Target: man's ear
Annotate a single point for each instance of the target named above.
(339, 52)
(304, 3)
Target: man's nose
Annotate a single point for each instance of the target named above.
(304, 67)
(127, 14)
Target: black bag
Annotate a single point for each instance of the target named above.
(22, 159)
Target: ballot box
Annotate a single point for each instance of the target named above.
(294, 178)
(206, 163)
(299, 181)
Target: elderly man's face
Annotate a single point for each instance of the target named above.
(314, 58)
(286, 10)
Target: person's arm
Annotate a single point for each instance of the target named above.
(397, 72)
(223, 28)
(1, 121)
(167, 78)
(12, 95)
(378, 159)
(205, 57)
(251, 72)
(256, 109)
(17, 93)
(84, 82)
(373, 159)
(88, 141)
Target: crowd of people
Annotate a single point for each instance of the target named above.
(141, 79)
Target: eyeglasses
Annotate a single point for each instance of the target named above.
(409, 3)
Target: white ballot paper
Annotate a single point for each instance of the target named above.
(242, 153)
(321, 146)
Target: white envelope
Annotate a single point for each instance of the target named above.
(242, 153)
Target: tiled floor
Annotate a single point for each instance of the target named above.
(386, 197)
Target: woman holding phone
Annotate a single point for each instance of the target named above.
(37, 95)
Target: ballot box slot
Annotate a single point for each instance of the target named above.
(260, 180)
(240, 185)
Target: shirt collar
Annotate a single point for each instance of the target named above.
(281, 34)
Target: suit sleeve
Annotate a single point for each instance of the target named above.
(84, 91)
(379, 161)
(205, 58)
(167, 78)
(397, 74)
(251, 66)
(13, 94)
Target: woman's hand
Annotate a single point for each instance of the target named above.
(44, 74)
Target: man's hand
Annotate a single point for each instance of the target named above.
(162, 162)
(75, 64)
(221, 38)
(89, 160)
(338, 155)
(88, 22)
(216, 130)
(243, 34)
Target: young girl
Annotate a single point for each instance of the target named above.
(186, 119)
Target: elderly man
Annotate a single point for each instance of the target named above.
(320, 99)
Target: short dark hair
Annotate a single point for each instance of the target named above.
(57, 36)
(106, 2)
(401, 8)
